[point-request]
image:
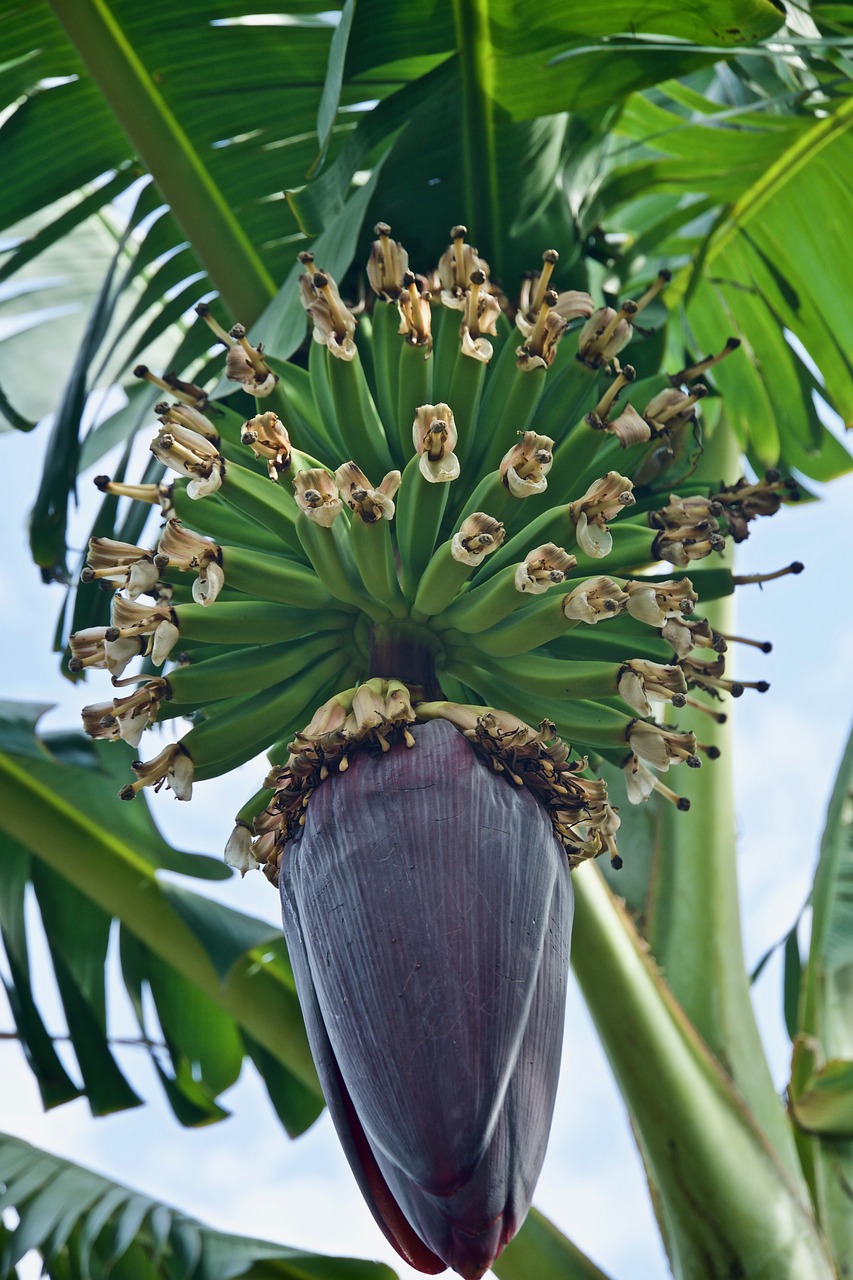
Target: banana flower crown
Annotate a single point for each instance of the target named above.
(391, 579)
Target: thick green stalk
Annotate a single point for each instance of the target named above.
(727, 1204)
(694, 929)
(210, 224)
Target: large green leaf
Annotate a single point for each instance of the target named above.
(82, 1224)
(212, 973)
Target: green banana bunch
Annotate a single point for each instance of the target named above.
(478, 501)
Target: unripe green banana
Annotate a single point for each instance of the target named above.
(318, 370)
(420, 508)
(539, 621)
(275, 578)
(414, 388)
(373, 552)
(265, 623)
(512, 415)
(248, 726)
(356, 411)
(485, 605)
(464, 395)
(222, 522)
(328, 552)
(386, 361)
(260, 498)
(247, 670)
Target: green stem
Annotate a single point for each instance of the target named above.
(728, 1205)
(209, 223)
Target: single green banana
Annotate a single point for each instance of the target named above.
(331, 557)
(512, 415)
(373, 552)
(235, 622)
(553, 525)
(260, 498)
(386, 360)
(420, 508)
(485, 605)
(325, 411)
(275, 578)
(414, 388)
(246, 728)
(548, 678)
(491, 495)
(222, 522)
(541, 620)
(251, 670)
(465, 393)
(355, 410)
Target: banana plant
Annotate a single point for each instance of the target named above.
(386, 569)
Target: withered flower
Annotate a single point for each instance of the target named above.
(434, 437)
(655, 602)
(605, 334)
(455, 268)
(603, 500)
(267, 437)
(595, 599)
(334, 324)
(366, 503)
(482, 311)
(121, 564)
(524, 469)
(544, 567)
(641, 683)
(191, 455)
(181, 548)
(413, 304)
(172, 767)
(317, 495)
(387, 264)
(477, 537)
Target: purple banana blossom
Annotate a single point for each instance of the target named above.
(428, 911)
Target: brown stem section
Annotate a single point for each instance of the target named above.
(405, 652)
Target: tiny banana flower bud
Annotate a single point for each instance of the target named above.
(434, 436)
(238, 849)
(477, 537)
(131, 620)
(245, 364)
(605, 334)
(153, 494)
(655, 602)
(702, 366)
(685, 635)
(334, 324)
(191, 455)
(603, 500)
(387, 264)
(546, 566)
(121, 564)
(366, 503)
(173, 766)
(661, 747)
(640, 683)
(595, 599)
(673, 408)
(629, 428)
(182, 549)
(540, 347)
(317, 495)
(99, 721)
(91, 648)
(524, 469)
(266, 435)
(186, 392)
(187, 415)
(455, 268)
(482, 310)
(640, 782)
(128, 717)
(413, 304)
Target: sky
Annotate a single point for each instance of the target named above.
(245, 1175)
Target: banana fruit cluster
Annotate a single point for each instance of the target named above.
(429, 499)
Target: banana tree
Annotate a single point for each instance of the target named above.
(386, 614)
